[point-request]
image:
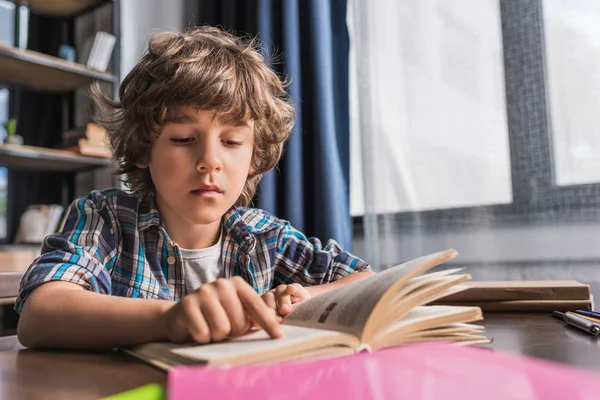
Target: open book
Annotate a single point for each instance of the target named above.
(381, 311)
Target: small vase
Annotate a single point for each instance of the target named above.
(14, 139)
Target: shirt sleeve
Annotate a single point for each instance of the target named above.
(306, 261)
(83, 253)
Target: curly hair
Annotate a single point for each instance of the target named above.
(209, 69)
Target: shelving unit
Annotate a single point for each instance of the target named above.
(65, 8)
(21, 68)
(44, 72)
(24, 68)
(40, 158)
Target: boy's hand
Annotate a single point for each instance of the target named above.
(282, 297)
(224, 308)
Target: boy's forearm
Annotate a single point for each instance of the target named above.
(71, 317)
(316, 290)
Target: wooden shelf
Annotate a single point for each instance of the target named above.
(9, 284)
(14, 261)
(44, 72)
(63, 8)
(43, 159)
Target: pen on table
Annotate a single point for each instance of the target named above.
(579, 322)
(589, 313)
(593, 315)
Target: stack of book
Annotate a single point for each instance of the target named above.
(17, 258)
(89, 141)
(97, 51)
(522, 296)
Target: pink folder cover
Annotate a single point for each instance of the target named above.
(424, 371)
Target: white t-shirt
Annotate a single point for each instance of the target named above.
(202, 266)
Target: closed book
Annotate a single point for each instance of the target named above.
(84, 147)
(486, 291)
(528, 305)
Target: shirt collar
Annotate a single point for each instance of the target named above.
(233, 223)
(148, 214)
(236, 227)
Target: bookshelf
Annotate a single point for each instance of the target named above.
(23, 68)
(28, 74)
(41, 158)
(44, 72)
(65, 8)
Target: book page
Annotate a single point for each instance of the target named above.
(418, 291)
(347, 308)
(422, 322)
(258, 346)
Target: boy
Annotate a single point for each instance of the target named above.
(199, 120)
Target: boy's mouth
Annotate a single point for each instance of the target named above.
(207, 191)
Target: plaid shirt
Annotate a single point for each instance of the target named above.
(115, 243)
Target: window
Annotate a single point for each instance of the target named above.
(572, 35)
(519, 195)
(435, 88)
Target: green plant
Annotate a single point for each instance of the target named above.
(11, 127)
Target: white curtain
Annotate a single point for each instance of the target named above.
(458, 127)
(431, 79)
(573, 54)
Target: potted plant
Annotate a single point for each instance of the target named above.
(11, 132)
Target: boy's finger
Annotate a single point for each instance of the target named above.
(258, 310)
(281, 289)
(215, 315)
(238, 319)
(293, 288)
(284, 300)
(269, 298)
(196, 324)
(298, 298)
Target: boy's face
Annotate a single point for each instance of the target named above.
(199, 166)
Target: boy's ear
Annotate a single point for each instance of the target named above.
(143, 164)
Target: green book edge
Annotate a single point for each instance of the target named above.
(153, 391)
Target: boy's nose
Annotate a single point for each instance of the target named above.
(208, 161)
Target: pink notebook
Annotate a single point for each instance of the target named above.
(424, 371)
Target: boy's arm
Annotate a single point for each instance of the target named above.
(304, 268)
(65, 315)
(310, 263)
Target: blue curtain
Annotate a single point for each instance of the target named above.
(311, 186)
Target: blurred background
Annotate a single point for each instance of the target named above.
(422, 125)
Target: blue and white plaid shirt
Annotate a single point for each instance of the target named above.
(115, 243)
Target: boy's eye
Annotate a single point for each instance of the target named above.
(232, 143)
(182, 140)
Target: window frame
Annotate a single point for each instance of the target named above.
(535, 193)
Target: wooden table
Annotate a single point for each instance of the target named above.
(31, 374)
(541, 336)
(26, 374)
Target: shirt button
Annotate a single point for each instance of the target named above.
(171, 260)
